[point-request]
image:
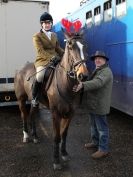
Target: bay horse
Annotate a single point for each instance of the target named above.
(58, 97)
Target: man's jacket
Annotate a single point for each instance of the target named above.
(99, 89)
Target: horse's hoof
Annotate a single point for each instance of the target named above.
(57, 166)
(65, 158)
(25, 140)
(35, 141)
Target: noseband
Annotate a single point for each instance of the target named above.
(74, 67)
(72, 73)
(71, 66)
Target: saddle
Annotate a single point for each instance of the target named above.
(49, 72)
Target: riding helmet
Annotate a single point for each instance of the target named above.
(46, 16)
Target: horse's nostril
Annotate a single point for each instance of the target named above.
(85, 77)
(82, 77)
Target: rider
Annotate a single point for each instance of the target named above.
(47, 47)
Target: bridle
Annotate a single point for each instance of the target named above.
(72, 72)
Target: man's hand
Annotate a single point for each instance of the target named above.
(78, 87)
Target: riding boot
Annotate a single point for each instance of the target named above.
(36, 89)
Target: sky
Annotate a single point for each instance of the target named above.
(60, 8)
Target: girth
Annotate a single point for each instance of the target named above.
(48, 77)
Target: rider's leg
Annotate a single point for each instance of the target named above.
(37, 86)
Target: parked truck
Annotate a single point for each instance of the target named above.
(19, 20)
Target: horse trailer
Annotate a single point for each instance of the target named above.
(108, 27)
(19, 20)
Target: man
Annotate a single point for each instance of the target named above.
(99, 89)
(47, 47)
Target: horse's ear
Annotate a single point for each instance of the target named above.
(67, 34)
(62, 29)
(81, 33)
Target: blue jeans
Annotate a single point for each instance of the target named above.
(99, 131)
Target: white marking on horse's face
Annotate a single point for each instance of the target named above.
(81, 49)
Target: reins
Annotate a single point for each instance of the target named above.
(63, 96)
(71, 73)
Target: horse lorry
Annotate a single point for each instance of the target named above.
(19, 20)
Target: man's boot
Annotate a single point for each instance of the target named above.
(36, 88)
(99, 154)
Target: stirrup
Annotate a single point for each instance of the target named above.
(53, 67)
(34, 102)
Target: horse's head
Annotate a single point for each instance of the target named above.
(75, 52)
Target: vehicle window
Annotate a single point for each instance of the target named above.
(121, 9)
(89, 19)
(97, 15)
(107, 10)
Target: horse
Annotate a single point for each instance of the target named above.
(58, 97)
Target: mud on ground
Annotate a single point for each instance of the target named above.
(35, 160)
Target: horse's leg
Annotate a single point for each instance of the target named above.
(57, 139)
(64, 129)
(24, 116)
(33, 114)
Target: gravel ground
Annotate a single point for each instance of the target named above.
(35, 160)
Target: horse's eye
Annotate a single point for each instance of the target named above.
(70, 47)
(70, 42)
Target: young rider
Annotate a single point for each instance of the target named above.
(47, 47)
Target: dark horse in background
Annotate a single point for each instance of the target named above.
(58, 97)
